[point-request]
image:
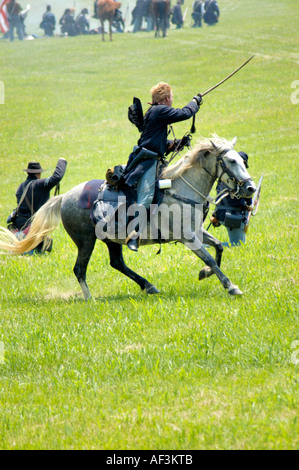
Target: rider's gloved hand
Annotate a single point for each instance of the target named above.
(185, 141)
(198, 99)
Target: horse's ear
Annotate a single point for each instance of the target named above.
(234, 141)
(215, 146)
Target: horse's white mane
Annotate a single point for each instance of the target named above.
(195, 156)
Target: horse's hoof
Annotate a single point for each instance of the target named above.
(152, 290)
(204, 273)
(234, 290)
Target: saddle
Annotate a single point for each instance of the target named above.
(109, 210)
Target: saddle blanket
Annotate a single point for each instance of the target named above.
(90, 194)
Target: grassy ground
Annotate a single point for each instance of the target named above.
(190, 368)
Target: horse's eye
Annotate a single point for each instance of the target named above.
(233, 162)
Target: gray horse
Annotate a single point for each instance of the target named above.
(192, 179)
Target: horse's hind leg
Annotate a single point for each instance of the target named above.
(85, 244)
(117, 262)
(208, 239)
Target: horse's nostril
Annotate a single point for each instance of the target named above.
(251, 189)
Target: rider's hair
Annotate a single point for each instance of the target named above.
(160, 92)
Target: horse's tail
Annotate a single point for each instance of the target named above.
(43, 223)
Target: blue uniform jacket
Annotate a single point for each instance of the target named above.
(154, 134)
(232, 205)
(41, 192)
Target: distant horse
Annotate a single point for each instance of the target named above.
(161, 12)
(192, 180)
(106, 10)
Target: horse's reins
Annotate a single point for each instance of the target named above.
(222, 194)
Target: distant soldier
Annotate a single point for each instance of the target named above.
(95, 7)
(137, 15)
(67, 23)
(211, 13)
(82, 22)
(148, 15)
(197, 13)
(177, 16)
(14, 9)
(48, 22)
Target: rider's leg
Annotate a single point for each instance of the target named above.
(145, 195)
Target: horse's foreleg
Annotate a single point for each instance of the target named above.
(164, 27)
(199, 250)
(103, 31)
(208, 239)
(110, 29)
(117, 262)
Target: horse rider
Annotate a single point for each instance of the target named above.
(152, 147)
(232, 213)
(33, 193)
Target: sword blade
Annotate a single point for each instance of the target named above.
(226, 78)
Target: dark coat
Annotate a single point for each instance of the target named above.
(154, 134)
(177, 16)
(48, 23)
(212, 12)
(41, 193)
(232, 205)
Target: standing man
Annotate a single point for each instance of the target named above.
(137, 16)
(14, 18)
(48, 22)
(197, 13)
(33, 193)
(177, 16)
(152, 147)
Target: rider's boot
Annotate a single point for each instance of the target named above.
(133, 241)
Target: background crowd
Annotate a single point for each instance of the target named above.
(72, 24)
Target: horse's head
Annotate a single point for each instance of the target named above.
(231, 170)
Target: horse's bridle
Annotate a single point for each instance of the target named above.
(225, 192)
(231, 176)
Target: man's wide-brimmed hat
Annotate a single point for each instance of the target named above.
(245, 158)
(34, 167)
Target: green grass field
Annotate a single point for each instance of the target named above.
(190, 368)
